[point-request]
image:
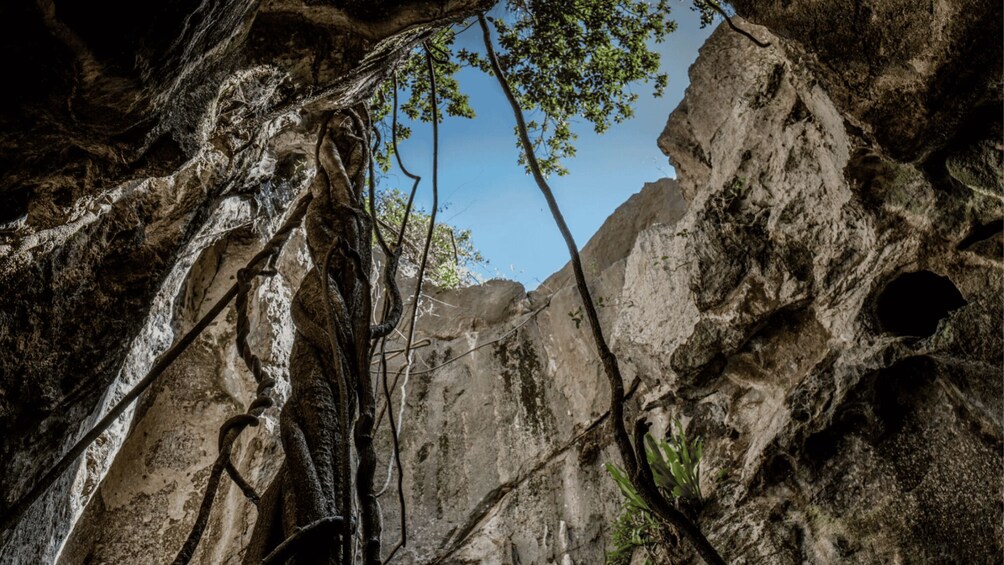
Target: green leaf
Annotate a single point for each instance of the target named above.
(565, 61)
(452, 256)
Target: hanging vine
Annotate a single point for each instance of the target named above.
(256, 266)
(634, 458)
(333, 396)
(329, 374)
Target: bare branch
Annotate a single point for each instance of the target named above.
(714, 6)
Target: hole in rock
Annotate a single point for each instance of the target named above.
(14, 205)
(914, 303)
(823, 445)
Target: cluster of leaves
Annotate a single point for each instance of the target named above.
(576, 58)
(675, 466)
(565, 59)
(634, 529)
(413, 78)
(708, 12)
(578, 315)
(452, 255)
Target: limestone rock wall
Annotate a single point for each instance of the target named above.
(819, 295)
(827, 317)
(821, 291)
(130, 128)
(920, 75)
(152, 490)
(826, 314)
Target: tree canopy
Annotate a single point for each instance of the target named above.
(452, 255)
(566, 61)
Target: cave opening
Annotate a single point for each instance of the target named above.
(913, 303)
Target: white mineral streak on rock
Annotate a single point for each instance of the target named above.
(161, 473)
(155, 338)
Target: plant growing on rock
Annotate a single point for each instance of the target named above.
(633, 530)
(675, 467)
(676, 464)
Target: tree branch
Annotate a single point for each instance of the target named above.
(397, 457)
(714, 6)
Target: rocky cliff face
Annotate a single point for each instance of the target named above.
(131, 138)
(819, 295)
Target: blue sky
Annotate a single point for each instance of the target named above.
(481, 186)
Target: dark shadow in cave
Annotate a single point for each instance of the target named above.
(13, 206)
(913, 303)
(981, 232)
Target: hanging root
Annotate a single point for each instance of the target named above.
(635, 464)
(232, 428)
(254, 266)
(333, 396)
(307, 513)
(404, 227)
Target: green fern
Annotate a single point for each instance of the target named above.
(676, 464)
(634, 529)
(676, 470)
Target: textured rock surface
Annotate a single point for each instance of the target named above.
(129, 127)
(166, 458)
(851, 410)
(820, 295)
(842, 441)
(919, 75)
(483, 436)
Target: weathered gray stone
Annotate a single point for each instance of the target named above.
(916, 76)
